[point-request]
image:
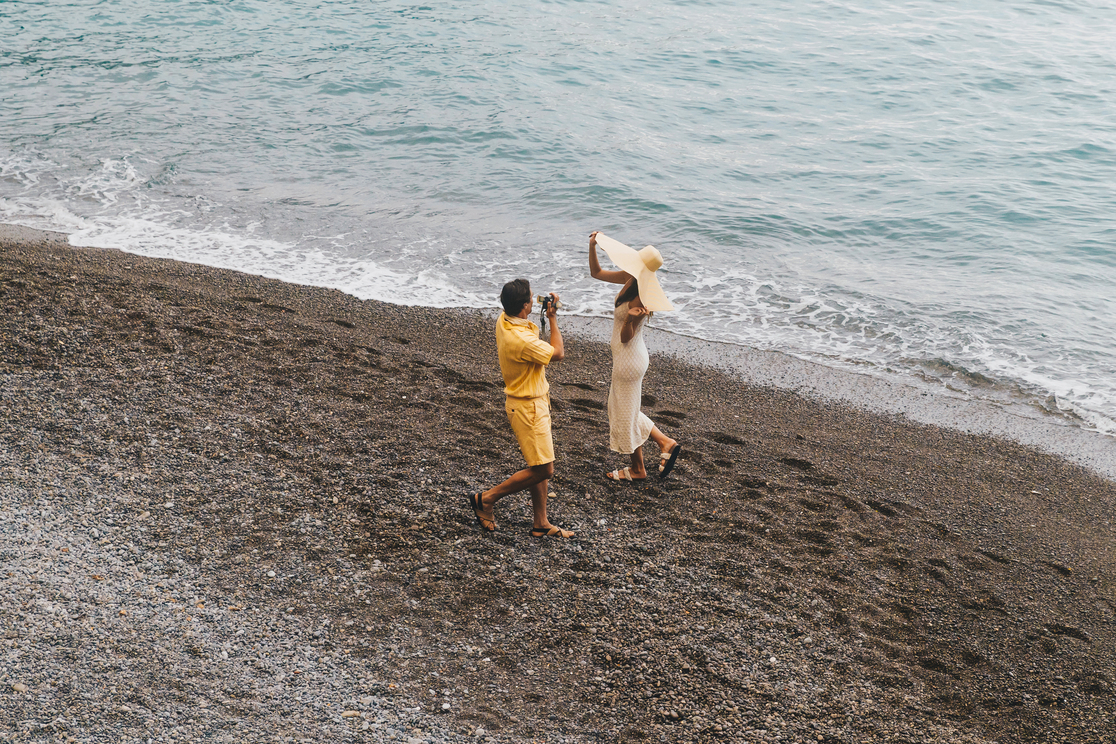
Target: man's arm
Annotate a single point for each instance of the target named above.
(555, 334)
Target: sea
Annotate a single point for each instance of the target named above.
(921, 193)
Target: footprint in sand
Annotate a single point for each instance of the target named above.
(722, 438)
(800, 464)
(1067, 631)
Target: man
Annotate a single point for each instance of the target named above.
(523, 359)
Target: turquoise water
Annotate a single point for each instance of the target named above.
(921, 190)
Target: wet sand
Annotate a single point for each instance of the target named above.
(813, 571)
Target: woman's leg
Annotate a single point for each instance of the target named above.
(666, 444)
(639, 469)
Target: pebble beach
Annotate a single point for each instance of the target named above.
(233, 509)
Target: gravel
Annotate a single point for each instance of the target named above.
(233, 509)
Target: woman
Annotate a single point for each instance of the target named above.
(641, 294)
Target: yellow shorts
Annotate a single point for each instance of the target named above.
(530, 420)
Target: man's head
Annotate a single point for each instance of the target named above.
(515, 295)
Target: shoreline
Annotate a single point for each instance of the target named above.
(234, 509)
(921, 402)
(925, 403)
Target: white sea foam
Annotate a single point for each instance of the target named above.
(914, 214)
(738, 308)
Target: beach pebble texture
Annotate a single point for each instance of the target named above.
(234, 510)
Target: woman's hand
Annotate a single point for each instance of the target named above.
(631, 323)
(595, 270)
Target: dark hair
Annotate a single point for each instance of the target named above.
(628, 294)
(515, 295)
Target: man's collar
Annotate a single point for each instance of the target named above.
(518, 321)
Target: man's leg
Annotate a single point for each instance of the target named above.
(538, 505)
(543, 526)
(519, 481)
(532, 428)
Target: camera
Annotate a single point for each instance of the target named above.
(545, 300)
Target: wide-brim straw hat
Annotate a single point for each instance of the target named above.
(641, 264)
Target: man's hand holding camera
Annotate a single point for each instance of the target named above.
(550, 304)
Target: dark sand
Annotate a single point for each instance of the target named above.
(811, 573)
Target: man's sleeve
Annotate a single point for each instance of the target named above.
(537, 351)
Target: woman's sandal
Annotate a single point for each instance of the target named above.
(667, 460)
(622, 475)
(551, 531)
(487, 523)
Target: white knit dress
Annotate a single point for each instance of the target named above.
(628, 428)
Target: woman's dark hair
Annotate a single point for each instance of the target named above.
(628, 294)
(515, 295)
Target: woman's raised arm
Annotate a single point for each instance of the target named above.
(595, 270)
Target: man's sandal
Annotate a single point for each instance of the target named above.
(551, 531)
(487, 523)
(667, 460)
(622, 475)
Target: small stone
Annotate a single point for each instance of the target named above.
(271, 574)
(351, 714)
(445, 706)
(19, 687)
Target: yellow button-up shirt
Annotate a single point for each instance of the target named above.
(523, 357)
